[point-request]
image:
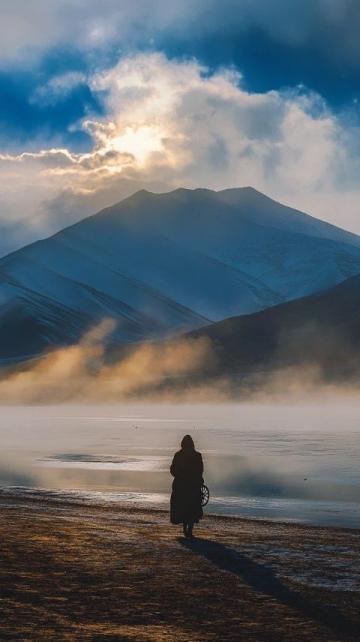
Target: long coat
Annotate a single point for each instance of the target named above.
(187, 469)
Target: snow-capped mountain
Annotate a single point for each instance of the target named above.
(167, 263)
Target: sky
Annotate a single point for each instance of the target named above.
(100, 99)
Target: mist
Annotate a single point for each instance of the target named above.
(81, 372)
(187, 369)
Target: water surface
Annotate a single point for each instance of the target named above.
(293, 462)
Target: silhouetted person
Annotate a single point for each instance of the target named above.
(187, 469)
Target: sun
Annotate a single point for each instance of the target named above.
(140, 142)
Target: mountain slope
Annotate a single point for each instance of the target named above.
(322, 330)
(166, 263)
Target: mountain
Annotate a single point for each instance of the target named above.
(321, 330)
(162, 264)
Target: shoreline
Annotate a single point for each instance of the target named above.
(133, 500)
(76, 571)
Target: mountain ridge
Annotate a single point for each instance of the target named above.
(321, 331)
(164, 264)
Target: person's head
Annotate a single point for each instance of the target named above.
(187, 443)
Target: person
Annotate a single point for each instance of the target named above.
(187, 469)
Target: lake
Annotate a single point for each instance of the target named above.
(275, 461)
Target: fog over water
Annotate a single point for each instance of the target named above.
(297, 462)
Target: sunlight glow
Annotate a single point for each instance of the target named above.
(139, 142)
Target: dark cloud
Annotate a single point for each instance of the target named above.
(275, 42)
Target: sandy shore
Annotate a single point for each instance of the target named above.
(78, 572)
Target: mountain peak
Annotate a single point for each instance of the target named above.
(196, 192)
(165, 263)
(244, 193)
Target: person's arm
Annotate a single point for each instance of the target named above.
(201, 468)
(173, 466)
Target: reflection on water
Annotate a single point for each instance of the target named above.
(278, 462)
(106, 462)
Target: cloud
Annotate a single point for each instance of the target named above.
(173, 123)
(57, 87)
(26, 29)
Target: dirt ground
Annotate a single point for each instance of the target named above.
(81, 572)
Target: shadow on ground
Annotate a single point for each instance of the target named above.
(263, 580)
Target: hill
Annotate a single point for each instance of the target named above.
(162, 264)
(321, 330)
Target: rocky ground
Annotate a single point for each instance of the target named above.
(78, 572)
